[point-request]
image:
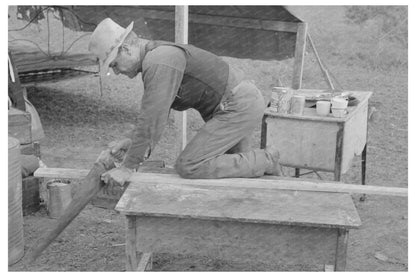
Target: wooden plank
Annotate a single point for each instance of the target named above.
(270, 182)
(238, 22)
(299, 55)
(145, 262)
(236, 241)
(266, 182)
(69, 173)
(144, 197)
(279, 26)
(63, 173)
(341, 252)
(108, 197)
(131, 243)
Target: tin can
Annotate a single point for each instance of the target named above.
(59, 198)
(297, 104)
(281, 98)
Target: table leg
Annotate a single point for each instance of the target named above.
(338, 152)
(263, 133)
(131, 243)
(363, 169)
(297, 172)
(341, 251)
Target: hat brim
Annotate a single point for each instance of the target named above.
(104, 66)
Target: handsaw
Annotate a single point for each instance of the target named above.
(89, 187)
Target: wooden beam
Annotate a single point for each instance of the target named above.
(269, 182)
(238, 22)
(181, 36)
(299, 55)
(61, 173)
(272, 182)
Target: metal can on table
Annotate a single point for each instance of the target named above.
(297, 104)
(281, 98)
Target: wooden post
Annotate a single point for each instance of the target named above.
(299, 55)
(181, 36)
(131, 244)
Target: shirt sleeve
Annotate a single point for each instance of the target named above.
(161, 84)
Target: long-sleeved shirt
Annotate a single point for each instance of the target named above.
(178, 77)
(162, 74)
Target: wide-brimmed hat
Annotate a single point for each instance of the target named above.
(107, 37)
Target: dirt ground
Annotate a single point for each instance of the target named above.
(79, 123)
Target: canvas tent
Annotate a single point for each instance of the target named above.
(45, 38)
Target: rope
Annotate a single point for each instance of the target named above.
(327, 73)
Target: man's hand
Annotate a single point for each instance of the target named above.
(119, 149)
(117, 176)
(115, 154)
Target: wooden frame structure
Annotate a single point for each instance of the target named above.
(229, 219)
(181, 36)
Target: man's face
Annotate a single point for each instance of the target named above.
(126, 62)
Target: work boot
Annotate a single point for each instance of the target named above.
(275, 167)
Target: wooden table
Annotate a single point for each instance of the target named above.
(250, 223)
(320, 143)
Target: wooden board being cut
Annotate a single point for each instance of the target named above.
(266, 182)
(144, 197)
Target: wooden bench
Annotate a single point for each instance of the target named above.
(237, 220)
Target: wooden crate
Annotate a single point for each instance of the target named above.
(319, 143)
(20, 125)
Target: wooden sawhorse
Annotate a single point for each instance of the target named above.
(236, 220)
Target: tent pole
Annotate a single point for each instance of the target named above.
(181, 36)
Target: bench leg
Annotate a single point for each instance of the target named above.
(145, 262)
(131, 244)
(341, 251)
(328, 268)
